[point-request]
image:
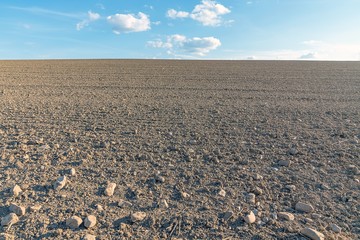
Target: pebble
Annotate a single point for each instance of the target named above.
(335, 228)
(250, 218)
(258, 177)
(222, 193)
(312, 234)
(60, 183)
(99, 207)
(89, 237)
(73, 222)
(304, 207)
(228, 215)
(90, 221)
(122, 203)
(251, 198)
(16, 190)
(290, 187)
(184, 195)
(284, 163)
(258, 191)
(315, 216)
(72, 171)
(35, 208)
(110, 188)
(138, 216)
(286, 216)
(18, 210)
(9, 219)
(163, 204)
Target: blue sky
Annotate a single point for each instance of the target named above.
(202, 29)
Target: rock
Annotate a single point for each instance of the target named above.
(290, 187)
(99, 207)
(250, 218)
(90, 221)
(163, 204)
(222, 193)
(315, 216)
(292, 151)
(16, 190)
(18, 210)
(72, 171)
(251, 198)
(35, 208)
(73, 222)
(60, 183)
(159, 178)
(9, 219)
(138, 216)
(335, 228)
(110, 188)
(228, 215)
(258, 191)
(284, 163)
(184, 195)
(286, 216)
(89, 237)
(312, 234)
(304, 207)
(258, 177)
(122, 203)
(6, 236)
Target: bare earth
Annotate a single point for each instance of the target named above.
(194, 146)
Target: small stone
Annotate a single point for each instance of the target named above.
(18, 210)
(73, 222)
(184, 195)
(35, 208)
(315, 216)
(308, 220)
(258, 177)
(250, 218)
(16, 190)
(222, 193)
(90, 221)
(284, 163)
(9, 219)
(228, 215)
(99, 207)
(6, 236)
(258, 191)
(89, 237)
(159, 178)
(163, 204)
(251, 198)
(335, 228)
(110, 188)
(286, 216)
(304, 207)
(138, 216)
(290, 187)
(122, 203)
(72, 171)
(292, 151)
(312, 234)
(60, 183)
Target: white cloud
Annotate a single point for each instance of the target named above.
(310, 55)
(178, 44)
(333, 51)
(177, 14)
(208, 13)
(91, 17)
(125, 23)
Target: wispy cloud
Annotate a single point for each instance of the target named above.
(43, 11)
(90, 18)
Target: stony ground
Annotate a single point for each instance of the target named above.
(150, 149)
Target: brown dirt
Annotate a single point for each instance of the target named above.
(159, 129)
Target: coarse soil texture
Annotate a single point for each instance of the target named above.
(160, 149)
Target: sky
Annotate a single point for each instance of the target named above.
(192, 29)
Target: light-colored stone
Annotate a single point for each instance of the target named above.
(9, 219)
(258, 177)
(251, 198)
(250, 218)
(16, 190)
(304, 207)
(110, 188)
(258, 191)
(290, 187)
(185, 195)
(312, 234)
(222, 193)
(18, 210)
(335, 228)
(73, 222)
(122, 203)
(138, 216)
(90, 221)
(72, 171)
(60, 183)
(89, 237)
(286, 216)
(163, 204)
(35, 208)
(99, 207)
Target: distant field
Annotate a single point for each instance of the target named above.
(181, 132)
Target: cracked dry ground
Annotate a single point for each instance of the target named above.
(197, 149)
